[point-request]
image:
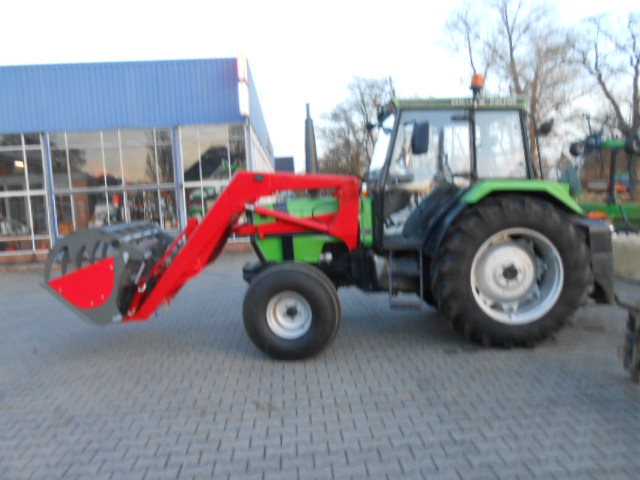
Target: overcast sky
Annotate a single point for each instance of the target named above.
(299, 52)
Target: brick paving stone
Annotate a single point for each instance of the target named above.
(398, 395)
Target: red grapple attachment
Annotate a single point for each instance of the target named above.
(95, 272)
(125, 272)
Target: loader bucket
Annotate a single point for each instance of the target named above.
(95, 271)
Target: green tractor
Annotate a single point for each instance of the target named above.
(453, 215)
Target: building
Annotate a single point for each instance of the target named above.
(285, 164)
(84, 145)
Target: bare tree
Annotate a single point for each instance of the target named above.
(348, 143)
(609, 51)
(610, 54)
(520, 50)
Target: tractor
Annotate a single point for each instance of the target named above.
(605, 194)
(453, 214)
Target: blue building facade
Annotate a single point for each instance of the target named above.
(85, 145)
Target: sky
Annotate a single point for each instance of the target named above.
(299, 52)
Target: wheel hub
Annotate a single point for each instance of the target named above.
(289, 315)
(505, 272)
(516, 276)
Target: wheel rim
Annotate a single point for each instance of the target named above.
(289, 315)
(517, 276)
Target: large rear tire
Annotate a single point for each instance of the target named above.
(511, 271)
(291, 311)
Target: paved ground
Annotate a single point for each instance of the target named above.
(398, 395)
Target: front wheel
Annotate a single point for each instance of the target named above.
(511, 271)
(291, 311)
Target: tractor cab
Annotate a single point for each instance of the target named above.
(428, 152)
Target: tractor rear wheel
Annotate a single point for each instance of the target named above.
(291, 311)
(511, 271)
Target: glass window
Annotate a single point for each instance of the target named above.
(382, 146)
(11, 140)
(165, 163)
(194, 200)
(163, 136)
(190, 153)
(136, 137)
(84, 139)
(15, 233)
(168, 210)
(111, 138)
(447, 159)
(139, 164)
(77, 164)
(60, 168)
(35, 168)
(91, 209)
(88, 162)
(14, 217)
(12, 170)
(32, 139)
(116, 210)
(236, 131)
(237, 150)
(64, 214)
(112, 165)
(413, 176)
(143, 205)
(456, 156)
(39, 215)
(191, 164)
(213, 132)
(214, 160)
(205, 154)
(499, 145)
(238, 154)
(57, 140)
(210, 196)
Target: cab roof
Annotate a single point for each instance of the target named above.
(484, 103)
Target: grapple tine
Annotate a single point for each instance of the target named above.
(99, 268)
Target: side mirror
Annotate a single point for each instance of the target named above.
(576, 149)
(546, 127)
(420, 138)
(633, 143)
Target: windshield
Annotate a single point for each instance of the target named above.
(448, 158)
(499, 145)
(381, 147)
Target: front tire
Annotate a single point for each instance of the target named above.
(511, 271)
(291, 311)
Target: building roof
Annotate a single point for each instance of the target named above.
(103, 96)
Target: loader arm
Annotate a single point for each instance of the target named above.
(208, 238)
(199, 244)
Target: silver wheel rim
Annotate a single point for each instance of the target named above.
(517, 276)
(289, 315)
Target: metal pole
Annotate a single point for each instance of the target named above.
(176, 146)
(53, 219)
